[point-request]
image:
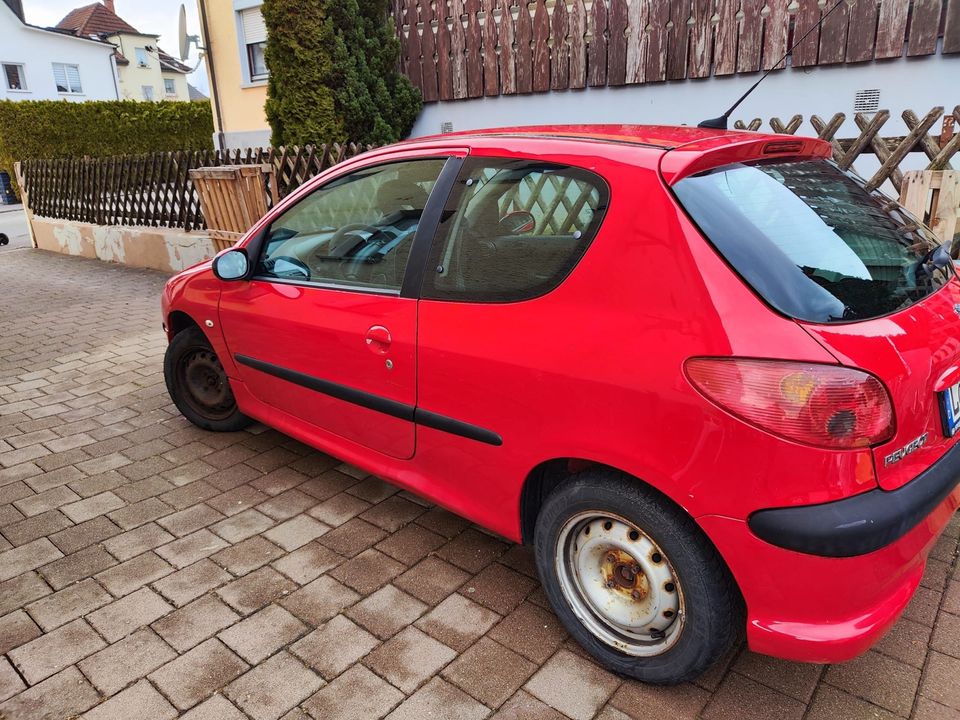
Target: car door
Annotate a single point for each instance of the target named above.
(323, 331)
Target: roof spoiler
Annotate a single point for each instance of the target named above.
(700, 155)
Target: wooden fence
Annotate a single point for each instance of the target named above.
(455, 49)
(155, 190)
(891, 151)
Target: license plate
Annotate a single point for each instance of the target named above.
(950, 410)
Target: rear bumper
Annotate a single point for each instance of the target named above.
(863, 523)
(813, 608)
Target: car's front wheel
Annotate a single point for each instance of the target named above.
(198, 384)
(634, 579)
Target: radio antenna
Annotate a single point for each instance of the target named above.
(720, 123)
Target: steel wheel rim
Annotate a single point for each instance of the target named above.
(619, 584)
(205, 384)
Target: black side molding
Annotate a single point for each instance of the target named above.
(456, 427)
(863, 523)
(374, 402)
(341, 392)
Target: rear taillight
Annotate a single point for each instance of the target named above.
(824, 405)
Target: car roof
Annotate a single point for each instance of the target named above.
(665, 137)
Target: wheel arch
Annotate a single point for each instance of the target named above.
(178, 321)
(550, 474)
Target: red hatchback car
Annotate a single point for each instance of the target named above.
(710, 376)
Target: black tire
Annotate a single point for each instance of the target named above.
(198, 385)
(711, 617)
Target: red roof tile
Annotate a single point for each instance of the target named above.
(95, 19)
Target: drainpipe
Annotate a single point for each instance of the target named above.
(214, 93)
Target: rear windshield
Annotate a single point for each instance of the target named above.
(813, 242)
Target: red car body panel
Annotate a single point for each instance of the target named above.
(593, 371)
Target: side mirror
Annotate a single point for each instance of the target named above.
(231, 265)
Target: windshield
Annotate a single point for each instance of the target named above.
(813, 242)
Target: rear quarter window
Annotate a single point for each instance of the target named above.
(513, 230)
(813, 242)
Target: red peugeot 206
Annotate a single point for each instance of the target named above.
(710, 376)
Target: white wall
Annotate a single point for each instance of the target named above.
(916, 84)
(37, 50)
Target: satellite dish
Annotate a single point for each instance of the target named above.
(185, 39)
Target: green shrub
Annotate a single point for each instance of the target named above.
(333, 73)
(40, 129)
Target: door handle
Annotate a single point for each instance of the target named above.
(378, 339)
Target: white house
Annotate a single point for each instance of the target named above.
(45, 64)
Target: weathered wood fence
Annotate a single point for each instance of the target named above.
(155, 190)
(455, 49)
(890, 151)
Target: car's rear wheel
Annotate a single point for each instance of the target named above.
(198, 384)
(634, 580)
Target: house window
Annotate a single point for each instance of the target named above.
(169, 86)
(254, 42)
(67, 78)
(13, 74)
(142, 57)
(147, 92)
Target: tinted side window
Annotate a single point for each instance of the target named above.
(513, 230)
(356, 230)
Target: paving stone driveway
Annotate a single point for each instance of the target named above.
(148, 568)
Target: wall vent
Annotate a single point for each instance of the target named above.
(446, 127)
(866, 101)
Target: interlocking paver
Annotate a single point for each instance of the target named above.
(56, 650)
(357, 694)
(216, 707)
(16, 629)
(77, 566)
(307, 563)
(195, 622)
(120, 520)
(65, 605)
(263, 633)
(140, 700)
(134, 573)
(409, 658)
(458, 622)
(489, 672)
(572, 685)
(122, 617)
(334, 647)
(85, 534)
(439, 698)
(133, 657)
(10, 681)
(267, 691)
(27, 557)
(137, 541)
(198, 673)
(253, 591)
(387, 611)
(193, 581)
(64, 695)
(879, 679)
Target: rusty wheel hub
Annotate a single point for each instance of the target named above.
(620, 584)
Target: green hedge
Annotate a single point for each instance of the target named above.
(35, 129)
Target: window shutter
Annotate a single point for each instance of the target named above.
(254, 29)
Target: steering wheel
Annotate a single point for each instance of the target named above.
(287, 267)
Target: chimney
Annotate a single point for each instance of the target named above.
(109, 5)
